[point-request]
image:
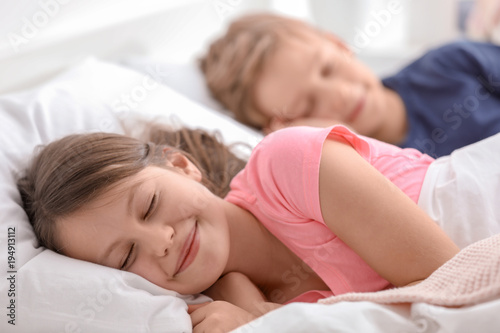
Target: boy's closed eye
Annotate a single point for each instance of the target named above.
(326, 70)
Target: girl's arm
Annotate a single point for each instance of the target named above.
(377, 220)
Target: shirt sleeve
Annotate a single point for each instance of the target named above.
(283, 171)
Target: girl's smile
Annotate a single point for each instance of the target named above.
(189, 250)
(161, 224)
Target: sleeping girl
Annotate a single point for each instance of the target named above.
(314, 212)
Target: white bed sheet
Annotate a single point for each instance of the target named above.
(368, 317)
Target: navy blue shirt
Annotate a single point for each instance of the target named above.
(451, 95)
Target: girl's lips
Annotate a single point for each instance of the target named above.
(357, 109)
(189, 250)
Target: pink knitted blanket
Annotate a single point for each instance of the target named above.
(471, 277)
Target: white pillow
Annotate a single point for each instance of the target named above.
(184, 77)
(52, 293)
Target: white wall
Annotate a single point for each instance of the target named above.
(39, 38)
(42, 37)
(387, 34)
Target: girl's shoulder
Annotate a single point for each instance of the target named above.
(300, 141)
(289, 144)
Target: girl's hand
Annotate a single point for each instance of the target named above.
(236, 288)
(218, 317)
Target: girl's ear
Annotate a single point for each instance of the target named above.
(180, 162)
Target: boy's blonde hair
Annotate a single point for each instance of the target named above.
(234, 61)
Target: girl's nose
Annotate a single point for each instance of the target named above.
(162, 241)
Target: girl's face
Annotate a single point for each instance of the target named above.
(160, 224)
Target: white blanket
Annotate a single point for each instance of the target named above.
(461, 192)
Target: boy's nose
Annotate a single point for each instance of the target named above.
(335, 97)
(328, 101)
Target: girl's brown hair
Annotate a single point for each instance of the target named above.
(72, 171)
(234, 61)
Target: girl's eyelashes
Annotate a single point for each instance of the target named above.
(151, 207)
(149, 212)
(127, 259)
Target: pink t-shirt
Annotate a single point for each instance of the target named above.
(280, 187)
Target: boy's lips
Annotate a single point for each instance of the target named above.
(189, 250)
(357, 109)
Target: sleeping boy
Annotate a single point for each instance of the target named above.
(274, 72)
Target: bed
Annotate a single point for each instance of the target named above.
(66, 73)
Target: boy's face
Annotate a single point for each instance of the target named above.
(317, 77)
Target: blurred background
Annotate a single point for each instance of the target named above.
(39, 38)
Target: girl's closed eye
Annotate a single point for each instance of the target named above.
(127, 260)
(149, 212)
(151, 207)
